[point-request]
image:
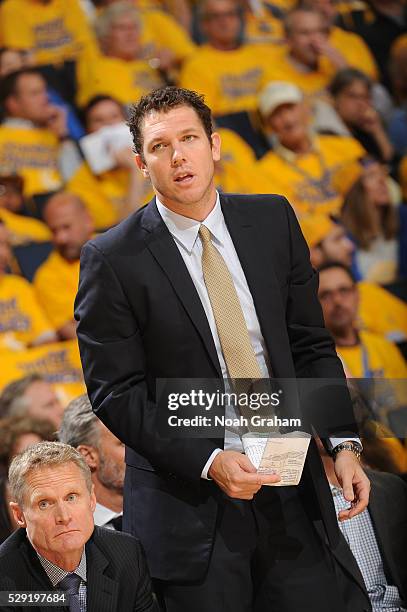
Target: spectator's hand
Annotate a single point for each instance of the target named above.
(125, 158)
(354, 482)
(324, 47)
(57, 121)
(371, 121)
(235, 474)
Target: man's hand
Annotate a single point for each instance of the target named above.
(57, 121)
(323, 47)
(235, 474)
(354, 482)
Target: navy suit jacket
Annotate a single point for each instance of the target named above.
(140, 318)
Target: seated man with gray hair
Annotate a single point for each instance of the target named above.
(58, 547)
(104, 454)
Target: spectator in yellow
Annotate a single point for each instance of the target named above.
(363, 354)
(120, 70)
(308, 58)
(22, 321)
(115, 193)
(262, 22)
(379, 311)
(302, 166)
(55, 30)
(22, 229)
(163, 38)
(350, 45)
(31, 132)
(56, 280)
(230, 74)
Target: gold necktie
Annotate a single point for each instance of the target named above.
(231, 325)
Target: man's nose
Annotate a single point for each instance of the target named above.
(61, 238)
(62, 514)
(178, 155)
(336, 298)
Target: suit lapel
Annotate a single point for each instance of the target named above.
(102, 591)
(261, 280)
(164, 250)
(378, 503)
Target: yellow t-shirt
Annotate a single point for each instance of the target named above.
(58, 362)
(355, 51)
(104, 196)
(313, 83)
(56, 284)
(125, 81)
(384, 360)
(24, 229)
(160, 31)
(22, 321)
(262, 27)
(284, 5)
(33, 153)
(382, 312)
(235, 173)
(230, 80)
(55, 31)
(308, 180)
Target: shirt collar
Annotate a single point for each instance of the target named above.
(56, 574)
(18, 122)
(289, 155)
(103, 515)
(185, 230)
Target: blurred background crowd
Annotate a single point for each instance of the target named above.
(310, 100)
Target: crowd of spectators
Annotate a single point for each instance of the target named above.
(310, 100)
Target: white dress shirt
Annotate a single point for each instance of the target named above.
(185, 233)
(102, 516)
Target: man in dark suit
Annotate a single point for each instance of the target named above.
(148, 308)
(58, 547)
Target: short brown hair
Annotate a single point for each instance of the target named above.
(162, 101)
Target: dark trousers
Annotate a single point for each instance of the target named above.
(267, 557)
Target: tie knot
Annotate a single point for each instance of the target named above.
(204, 233)
(70, 583)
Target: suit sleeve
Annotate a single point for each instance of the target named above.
(329, 408)
(114, 366)
(145, 601)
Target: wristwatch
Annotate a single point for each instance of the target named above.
(352, 446)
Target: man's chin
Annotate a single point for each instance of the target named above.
(339, 328)
(70, 256)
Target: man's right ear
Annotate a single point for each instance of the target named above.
(141, 165)
(18, 514)
(90, 455)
